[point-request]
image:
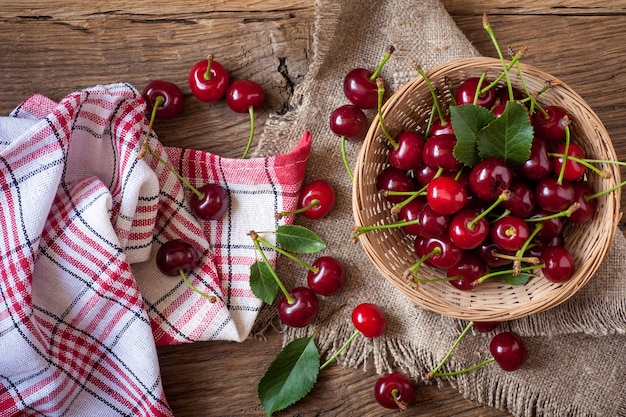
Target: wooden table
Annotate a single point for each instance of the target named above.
(56, 47)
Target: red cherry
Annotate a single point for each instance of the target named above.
(243, 95)
(213, 203)
(559, 264)
(539, 164)
(359, 85)
(440, 127)
(393, 179)
(409, 212)
(552, 196)
(394, 391)
(317, 198)
(508, 350)
(464, 232)
(550, 126)
(369, 319)
(175, 256)
(467, 91)
(349, 121)
(208, 80)
(329, 278)
(510, 233)
(438, 251)
(431, 223)
(172, 97)
(486, 326)
(302, 311)
(489, 178)
(438, 152)
(468, 270)
(446, 195)
(573, 170)
(408, 154)
(587, 207)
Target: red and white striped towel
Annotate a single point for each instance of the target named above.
(82, 304)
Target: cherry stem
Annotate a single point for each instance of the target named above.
(341, 349)
(381, 92)
(489, 30)
(514, 61)
(465, 370)
(390, 50)
(287, 254)
(517, 264)
(401, 404)
(507, 271)
(586, 162)
(211, 298)
(504, 196)
(344, 157)
(436, 103)
(251, 112)
(411, 271)
(207, 73)
(257, 245)
(608, 190)
(533, 260)
(180, 177)
(364, 229)
(145, 145)
(565, 122)
(314, 203)
(564, 213)
(478, 91)
(434, 372)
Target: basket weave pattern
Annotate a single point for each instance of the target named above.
(391, 250)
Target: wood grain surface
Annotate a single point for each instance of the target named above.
(55, 47)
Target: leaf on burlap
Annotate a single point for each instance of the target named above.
(298, 239)
(290, 376)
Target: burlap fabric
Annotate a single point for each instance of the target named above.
(576, 350)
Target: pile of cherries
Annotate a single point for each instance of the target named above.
(470, 221)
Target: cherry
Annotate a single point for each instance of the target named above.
(587, 206)
(510, 233)
(245, 96)
(431, 223)
(466, 93)
(465, 231)
(329, 278)
(573, 170)
(172, 99)
(442, 127)
(302, 309)
(369, 320)
(468, 270)
(445, 195)
(508, 350)
(539, 164)
(438, 152)
(408, 153)
(498, 109)
(551, 226)
(486, 326)
(393, 179)
(521, 202)
(394, 391)
(349, 121)
(489, 251)
(552, 196)
(212, 203)
(208, 80)
(359, 85)
(550, 124)
(436, 251)
(489, 178)
(424, 174)
(409, 212)
(317, 199)
(559, 264)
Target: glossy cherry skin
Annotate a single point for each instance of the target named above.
(559, 264)
(349, 121)
(468, 270)
(172, 96)
(552, 196)
(485, 326)
(446, 195)
(394, 391)
(369, 319)
(488, 252)
(466, 92)
(302, 311)
(409, 212)
(440, 127)
(393, 179)
(408, 154)
(573, 170)
(212, 205)
(587, 208)
(446, 253)
(510, 233)
(508, 350)
(243, 94)
(522, 201)
(329, 278)
(431, 223)
(552, 127)
(539, 164)
(209, 87)
(438, 152)
(175, 256)
(320, 191)
(464, 236)
(489, 178)
(360, 89)
(551, 227)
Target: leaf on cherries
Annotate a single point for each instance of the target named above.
(467, 121)
(262, 282)
(520, 279)
(290, 376)
(509, 137)
(298, 239)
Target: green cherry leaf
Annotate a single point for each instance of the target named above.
(467, 121)
(298, 239)
(520, 279)
(262, 282)
(508, 138)
(290, 376)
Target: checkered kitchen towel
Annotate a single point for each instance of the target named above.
(82, 304)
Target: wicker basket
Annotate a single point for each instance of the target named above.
(391, 250)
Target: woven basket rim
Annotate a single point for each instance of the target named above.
(491, 301)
